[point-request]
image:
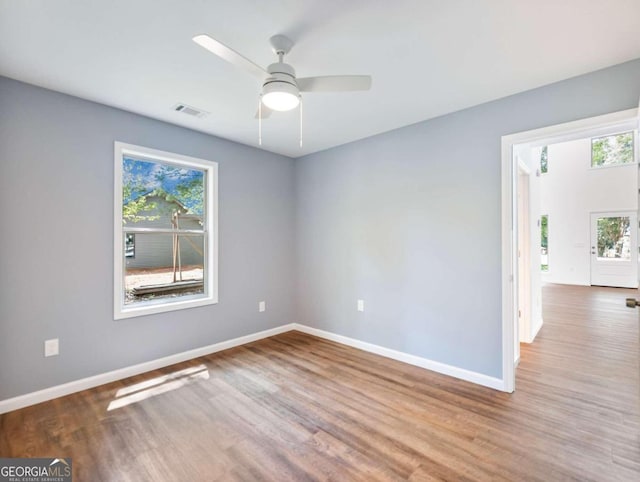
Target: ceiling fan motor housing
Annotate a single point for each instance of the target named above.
(280, 72)
(281, 81)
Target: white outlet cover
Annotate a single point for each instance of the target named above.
(360, 305)
(51, 347)
(262, 306)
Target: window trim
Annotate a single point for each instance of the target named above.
(210, 168)
(634, 133)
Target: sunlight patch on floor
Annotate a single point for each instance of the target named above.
(157, 386)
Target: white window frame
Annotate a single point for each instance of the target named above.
(210, 168)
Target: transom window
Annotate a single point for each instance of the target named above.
(612, 150)
(165, 231)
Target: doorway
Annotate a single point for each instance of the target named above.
(511, 266)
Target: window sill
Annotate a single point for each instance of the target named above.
(151, 308)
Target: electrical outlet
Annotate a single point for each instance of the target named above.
(262, 306)
(360, 305)
(51, 347)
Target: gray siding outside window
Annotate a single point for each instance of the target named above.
(156, 250)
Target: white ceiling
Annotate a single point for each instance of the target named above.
(427, 57)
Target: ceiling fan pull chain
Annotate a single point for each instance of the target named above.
(300, 121)
(260, 120)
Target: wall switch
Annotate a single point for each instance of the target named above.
(51, 347)
(262, 306)
(360, 305)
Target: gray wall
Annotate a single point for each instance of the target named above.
(409, 221)
(56, 185)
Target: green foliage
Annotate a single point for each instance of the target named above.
(612, 150)
(611, 236)
(544, 231)
(133, 211)
(134, 197)
(191, 194)
(544, 158)
(544, 239)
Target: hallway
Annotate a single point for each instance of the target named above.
(583, 372)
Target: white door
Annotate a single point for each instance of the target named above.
(614, 249)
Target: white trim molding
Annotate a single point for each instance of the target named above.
(50, 393)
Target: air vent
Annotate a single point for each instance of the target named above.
(187, 109)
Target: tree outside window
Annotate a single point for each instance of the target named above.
(544, 160)
(544, 242)
(612, 150)
(614, 237)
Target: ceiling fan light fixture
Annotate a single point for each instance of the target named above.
(280, 96)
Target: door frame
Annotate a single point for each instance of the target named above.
(509, 213)
(523, 256)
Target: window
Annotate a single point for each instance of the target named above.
(165, 231)
(544, 242)
(614, 238)
(612, 150)
(544, 158)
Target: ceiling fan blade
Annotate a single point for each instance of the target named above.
(334, 83)
(230, 55)
(266, 112)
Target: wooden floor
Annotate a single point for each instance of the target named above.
(294, 407)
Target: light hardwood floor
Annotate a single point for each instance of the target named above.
(295, 407)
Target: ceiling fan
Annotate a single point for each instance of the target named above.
(280, 87)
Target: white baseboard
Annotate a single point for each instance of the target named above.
(461, 373)
(50, 393)
(537, 329)
(71, 387)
